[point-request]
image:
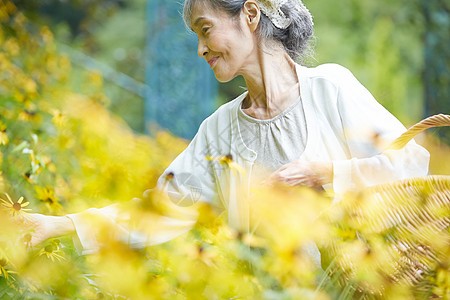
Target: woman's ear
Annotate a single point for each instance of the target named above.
(252, 14)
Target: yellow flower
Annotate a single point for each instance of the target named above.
(27, 115)
(30, 86)
(16, 208)
(228, 161)
(12, 47)
(169, 176)
(29, 177)
(3, 136)
(47, 196)
(52, 251)
(198, 252)
(46, 34)
(3, 270)
(58, 118)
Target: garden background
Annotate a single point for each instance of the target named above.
(78, 98)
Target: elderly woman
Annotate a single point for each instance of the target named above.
(301, 126)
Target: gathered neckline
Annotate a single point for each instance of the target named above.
(303, 74)
(271, 120)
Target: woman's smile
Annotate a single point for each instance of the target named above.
(225, 43)
(212, 61)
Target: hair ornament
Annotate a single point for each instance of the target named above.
(272, 9)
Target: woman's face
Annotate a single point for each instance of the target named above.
(226, 43)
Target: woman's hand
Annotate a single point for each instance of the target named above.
(299, 172)
(44, 227)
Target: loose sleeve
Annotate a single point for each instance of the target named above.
(368, 130)
(186, 181)
(95, 227)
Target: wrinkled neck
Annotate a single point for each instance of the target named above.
(272, 83)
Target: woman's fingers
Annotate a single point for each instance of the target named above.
(297, 173)
(37, 231)
(37, 228)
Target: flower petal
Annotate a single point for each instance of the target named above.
(9, 198)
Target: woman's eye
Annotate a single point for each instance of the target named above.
(205, 29)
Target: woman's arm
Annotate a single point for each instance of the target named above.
(300, 172)
(96, 226)
(46, 227)
(138, 228)
(366, 128)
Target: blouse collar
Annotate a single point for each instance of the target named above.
(305, 94)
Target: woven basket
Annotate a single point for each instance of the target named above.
(413, 217)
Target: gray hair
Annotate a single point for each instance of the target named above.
(295, 38)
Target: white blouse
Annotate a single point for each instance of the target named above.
(344, 125)
(276, 141)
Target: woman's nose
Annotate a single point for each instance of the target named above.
(202, 48)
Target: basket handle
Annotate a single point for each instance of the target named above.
(430, 122)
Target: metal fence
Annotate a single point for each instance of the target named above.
(181, 87)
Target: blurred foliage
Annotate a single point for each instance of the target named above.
(64, 152)
(437, 59)
(100, 29)
(381, 43)
(48, 130)
(78, 15)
